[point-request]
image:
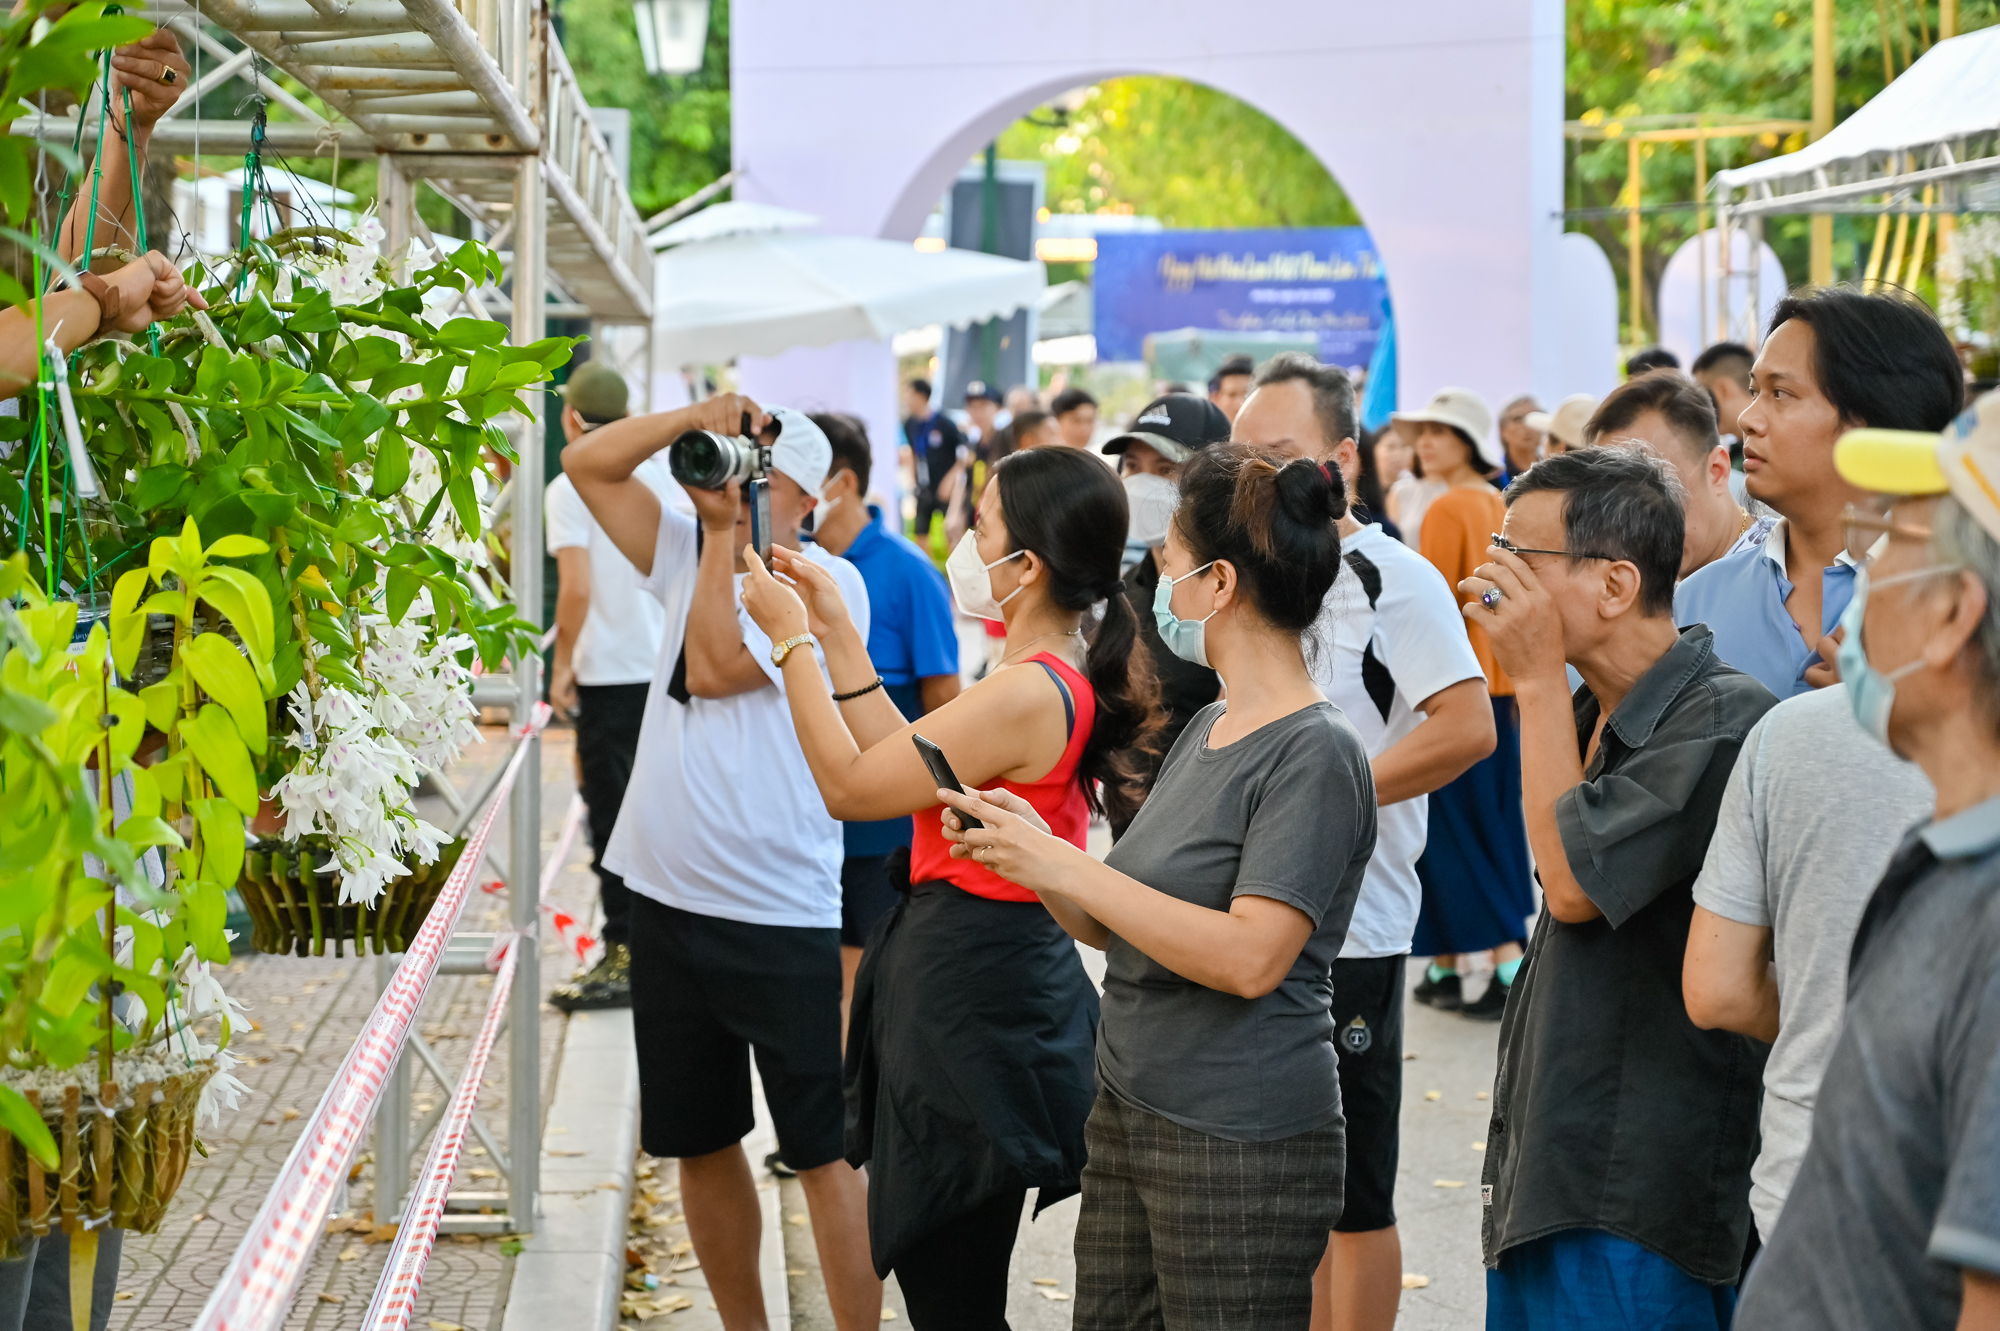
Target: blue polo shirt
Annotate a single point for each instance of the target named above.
(1741, 597)
(911, 636)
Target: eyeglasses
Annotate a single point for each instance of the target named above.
(1864, 531)
(1502, 543)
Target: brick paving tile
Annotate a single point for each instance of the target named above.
(310, 1010)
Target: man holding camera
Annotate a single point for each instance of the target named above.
(732, 859)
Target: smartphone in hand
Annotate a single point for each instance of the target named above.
(946, 779)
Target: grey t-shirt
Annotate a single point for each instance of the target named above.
(1815, 808)
(1899, 1194)
(1286, 812)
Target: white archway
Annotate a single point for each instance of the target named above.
(1442, 121)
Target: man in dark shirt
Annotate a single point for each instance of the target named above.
(935, 443)
(1617, 1169)
(1894, 1218)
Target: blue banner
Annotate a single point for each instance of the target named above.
(1324, 280)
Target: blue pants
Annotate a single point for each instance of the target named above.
(1588, 1280)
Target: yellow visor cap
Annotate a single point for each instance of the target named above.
(1896, 462)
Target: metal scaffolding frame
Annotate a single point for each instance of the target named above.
(476, 98)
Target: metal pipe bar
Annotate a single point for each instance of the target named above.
(209, 81)
(216, 136)
(456, 40)
(392, 1125)
(1806, 200)
(361, 78)
(454, 102)
(435, 1066)
(358, 17)
(695, 200)
(641, 298)
(400, 50)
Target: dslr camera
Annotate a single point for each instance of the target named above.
(705, 460)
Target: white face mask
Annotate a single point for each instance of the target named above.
(971, 585)
(1151, 500)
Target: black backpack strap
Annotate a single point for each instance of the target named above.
(1069, 703)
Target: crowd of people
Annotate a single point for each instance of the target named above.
(1343, 699)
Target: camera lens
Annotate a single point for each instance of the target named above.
(698, 459)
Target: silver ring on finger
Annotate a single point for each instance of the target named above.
(1490, 598)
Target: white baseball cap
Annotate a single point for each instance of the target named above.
(1566, 422)
(1465, 411)
(801, 450)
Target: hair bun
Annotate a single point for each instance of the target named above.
(1311, 492)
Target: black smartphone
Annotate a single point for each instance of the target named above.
(760, 519)
(946, 779)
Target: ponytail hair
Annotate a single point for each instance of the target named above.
(1274, 521)
(1069, 509)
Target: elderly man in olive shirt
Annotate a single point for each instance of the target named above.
(1617, 1176)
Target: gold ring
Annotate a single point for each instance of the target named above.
(167, 75)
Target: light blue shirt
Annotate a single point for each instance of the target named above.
(1741, 597)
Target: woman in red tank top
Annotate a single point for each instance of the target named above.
(972, 1035)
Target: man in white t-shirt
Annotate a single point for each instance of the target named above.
(732, 860)
(1389, 649)
(607, 638)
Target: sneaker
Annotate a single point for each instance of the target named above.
(1445, 995)
(608, 984)
(775, 1162)
(1490, 1005)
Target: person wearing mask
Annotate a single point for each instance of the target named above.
(1675, 422)
(733, 860)
(1230, 384)
(1520, 443)
(1075, 411)
(1562, 429)
(1164, 436)
(1616, 1176)
(1723, 371)
(1216, 1142)
(1835, 359)
(914, 644)
(1390, 650)
(607, 640)
(935, 443)
(1649, 360)
(1477, 895)
(972, 1008)
(1893, 1218)
(1812, 813)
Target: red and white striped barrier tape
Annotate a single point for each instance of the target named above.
(256, 1289)
(396, 1296)
(576, 940)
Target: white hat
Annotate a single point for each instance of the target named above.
(1566, 422)
(801, 451)
(1463, 410)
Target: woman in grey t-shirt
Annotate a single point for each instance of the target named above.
(1216, 1143)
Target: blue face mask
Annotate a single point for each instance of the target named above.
(1871, 693)
(1185, 638)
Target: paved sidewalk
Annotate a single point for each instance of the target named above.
(309, 1011)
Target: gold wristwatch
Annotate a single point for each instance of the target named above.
(779, 651)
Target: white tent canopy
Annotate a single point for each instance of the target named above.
(1938, 124)
(755, 285)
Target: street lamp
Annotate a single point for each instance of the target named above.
(673, 34)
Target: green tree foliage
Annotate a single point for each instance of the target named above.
(1179, 151)
(1740, 57)
(680, 125)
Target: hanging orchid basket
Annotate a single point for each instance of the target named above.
(298, 907)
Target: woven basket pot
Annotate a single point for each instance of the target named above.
(119, 1168)
(295, 908)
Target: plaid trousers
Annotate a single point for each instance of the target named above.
(1183, 1230)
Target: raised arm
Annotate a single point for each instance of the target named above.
(602, 463)
(155, 73)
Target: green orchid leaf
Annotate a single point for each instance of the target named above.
(273, 510)
(161, 701)
(24, 715)
(259, 321)
(162, 485)
(465, 503)
(227, 678)
(128, 727)
(128, 626)
(28, 1127)
(220, 750)
(315, 314)
(206, 905)
(141, 833)
(222, 840)
(243, 599)
(467, 334)
(404, 584)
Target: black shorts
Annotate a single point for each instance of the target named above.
(706, 993)
(1368, 1032)
(865, 896)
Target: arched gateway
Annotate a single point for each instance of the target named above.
(1442, 119)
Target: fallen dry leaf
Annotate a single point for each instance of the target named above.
(1481, 1095)
(289, 1114)
(565, 1153)
(332, 1298)
(795, 1218)
(795, 1270)
(1448, 1183)
(1409, 1057)
(1053, 1295)
(435, 1325)
(121, 1296)
(348, 1254)
(681, 1249)
(1433, 1095)
(197, 1217)
(1411, 1280)
(382, 1234)
(469, 1240)
(1047, 1280)
(483, 1173)
(1479, 1146)
(888, 1314)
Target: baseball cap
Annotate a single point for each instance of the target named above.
(597, 391)
(1465, 411)
(978, 389)
(1176, 425)
(801, 451)
(1566, 422)
(1963, 461)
